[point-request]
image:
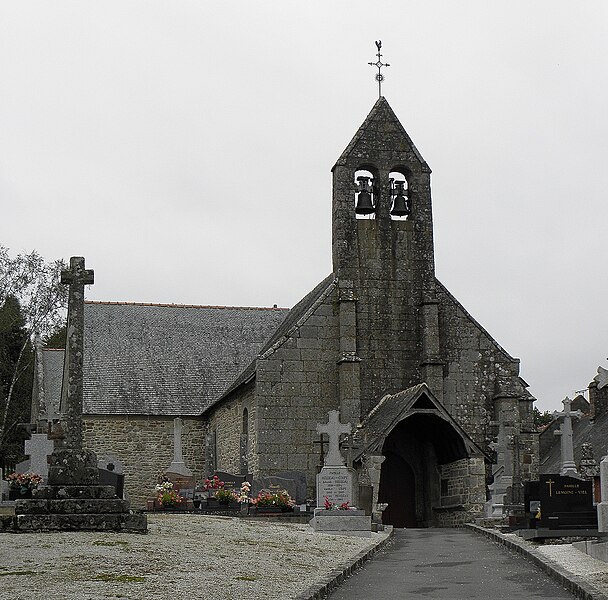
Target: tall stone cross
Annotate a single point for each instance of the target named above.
(567, 444)
(333, 428)
(71, 393)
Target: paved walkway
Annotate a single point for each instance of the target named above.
(451, 564)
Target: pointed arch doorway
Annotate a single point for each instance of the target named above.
(427, 459)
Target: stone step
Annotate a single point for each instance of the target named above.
(133, 523)
(60, 492)
(71, 506)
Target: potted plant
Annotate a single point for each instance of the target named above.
(269, 502)
(21, 485)
(212, 486)
(168, 498)
(225, 497)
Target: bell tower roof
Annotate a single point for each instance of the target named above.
(382, 136)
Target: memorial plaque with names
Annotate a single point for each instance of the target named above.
(566, 502)
(337, 484)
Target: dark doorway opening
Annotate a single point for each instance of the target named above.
(410, 480)
(400, 494)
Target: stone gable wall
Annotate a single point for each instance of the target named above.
(296, 386)
(473, 363)
(144, 445)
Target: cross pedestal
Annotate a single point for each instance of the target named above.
(39, 448)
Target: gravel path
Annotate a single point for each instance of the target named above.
(182, 556)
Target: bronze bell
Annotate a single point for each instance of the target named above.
(364, 199)
(401, 204)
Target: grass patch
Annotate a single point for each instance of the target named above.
(110, 578)
(112, 543)
(18, 573)
(246, 578)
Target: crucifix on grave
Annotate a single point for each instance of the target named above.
(334, 429)
(71, 393)
(567, 445)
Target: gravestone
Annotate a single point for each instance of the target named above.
(232, 481)
(299, 478)
(566, 503)
(602, 507)
(4, 486)
(275, 484)
(336, 482)
(73, 498)
(39, 448)
(111, 473)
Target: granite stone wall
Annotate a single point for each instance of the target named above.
(296, 386)
(144, 445)
(463, 492)
(226, 420)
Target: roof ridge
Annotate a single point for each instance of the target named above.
(171, 305)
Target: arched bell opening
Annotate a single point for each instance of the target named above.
(411, 477)
(365, 194)
(401, 203)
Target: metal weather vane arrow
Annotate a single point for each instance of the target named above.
(379, 64)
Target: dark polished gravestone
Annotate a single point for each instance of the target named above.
(74, 500)
(565, 502)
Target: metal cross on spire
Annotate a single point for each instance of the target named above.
(379, 64)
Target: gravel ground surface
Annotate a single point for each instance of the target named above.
(181, 556)
(571, 561)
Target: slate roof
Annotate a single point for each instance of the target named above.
(296, 317)
(155, 359)
(393, 408)
(583, 430)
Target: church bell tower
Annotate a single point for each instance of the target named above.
(384, 261)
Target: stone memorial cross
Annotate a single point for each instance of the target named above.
(71, 394)
(178, 466)
(333, 428)
(567, 445)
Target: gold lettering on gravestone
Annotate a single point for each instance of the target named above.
(550, 482)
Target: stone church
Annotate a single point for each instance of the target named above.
(380, 339)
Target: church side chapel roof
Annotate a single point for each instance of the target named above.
(394, 408)
(296, 318)
(155, 359)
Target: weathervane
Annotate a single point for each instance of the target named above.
(379, 64)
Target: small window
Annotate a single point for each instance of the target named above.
(365, 197)
(245, 421)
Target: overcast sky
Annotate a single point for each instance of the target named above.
(184, 148)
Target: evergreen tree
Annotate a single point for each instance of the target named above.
(16, 375)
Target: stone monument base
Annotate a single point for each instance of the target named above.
(342, 522)
(75, 501)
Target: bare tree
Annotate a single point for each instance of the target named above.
(43, 301)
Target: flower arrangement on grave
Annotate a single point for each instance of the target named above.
(224, 496)
(329, 505)
(280, 499)
(24, 481)
(167, 496)
(213, 485)
(243, 497)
